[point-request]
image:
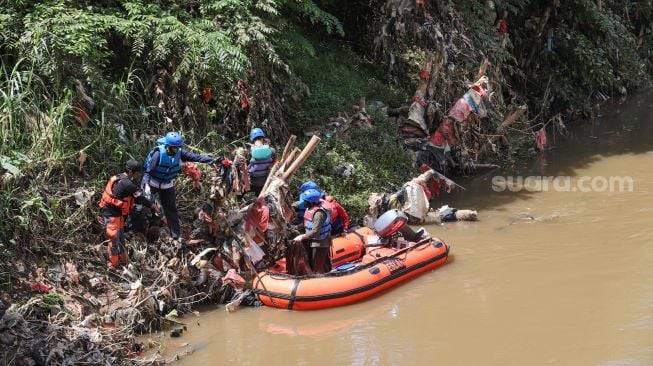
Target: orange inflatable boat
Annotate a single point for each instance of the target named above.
(365, 262)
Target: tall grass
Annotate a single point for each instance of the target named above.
(41, 147)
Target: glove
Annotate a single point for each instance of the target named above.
(299, 238)
(147, 191)
(226, 163)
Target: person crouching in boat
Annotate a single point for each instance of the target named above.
(317, 222)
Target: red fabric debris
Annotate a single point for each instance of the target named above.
(424, 75)
(436, 138)
(419, 2)
(540, 139)
(206, 217)
(193, 172)
(445, 132)
(218, 263)
(258, 219)
(479, 89)
(419, 100)
(244, 102)
(460, 110)
(40, 288)
(206, 95)
(503, 27)
(434, 184)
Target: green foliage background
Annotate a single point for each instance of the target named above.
(145, 62)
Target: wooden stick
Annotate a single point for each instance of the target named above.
(291, 158)
(486, 166)
(288, 148)
(429, 174)
(435, 72)
(308, 150)
(272, 173)
(423, 83)
(512, 118)
(482, 69)
(286, 158)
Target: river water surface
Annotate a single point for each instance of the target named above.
(544, 278)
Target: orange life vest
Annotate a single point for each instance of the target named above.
(108, 198)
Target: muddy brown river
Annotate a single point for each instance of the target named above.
(556, 276)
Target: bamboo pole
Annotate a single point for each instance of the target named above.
(289, 146)
(308, 150)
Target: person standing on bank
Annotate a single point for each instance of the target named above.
(261, 162)
(162, 166)
(118, 197)
(317, 222)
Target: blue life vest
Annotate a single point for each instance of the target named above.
(325, 230)
(168, 166)
(261, 162)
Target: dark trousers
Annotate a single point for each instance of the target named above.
(168, 199)
(337, 226)
(320, 259)
(256, 184)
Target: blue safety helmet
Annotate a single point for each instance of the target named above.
(308, 185)
(311, 195)
(255, 133)
(174, 139)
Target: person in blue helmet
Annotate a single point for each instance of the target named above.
(317, 223)
(300, 206)
(262, 160)
(162, 166)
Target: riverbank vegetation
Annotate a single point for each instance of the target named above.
(85, 85)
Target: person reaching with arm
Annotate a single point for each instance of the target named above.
(162, 166)
(317, 223)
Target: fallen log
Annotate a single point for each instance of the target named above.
(486, 166)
